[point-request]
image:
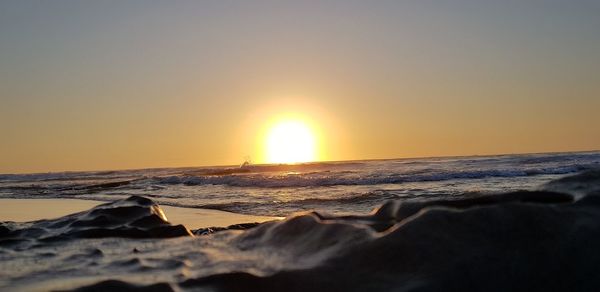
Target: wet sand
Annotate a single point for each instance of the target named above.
(24, 210)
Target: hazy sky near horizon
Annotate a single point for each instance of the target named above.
(132, 84)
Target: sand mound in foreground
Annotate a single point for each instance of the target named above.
(134, 217)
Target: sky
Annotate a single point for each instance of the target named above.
(96, 85)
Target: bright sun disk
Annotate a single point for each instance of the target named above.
(290, 141)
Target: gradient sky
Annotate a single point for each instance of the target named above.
(132, 84)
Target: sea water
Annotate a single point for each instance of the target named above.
(439, 224)
(348, 187)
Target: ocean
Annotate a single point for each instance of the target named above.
(348, 187)
(527, 222)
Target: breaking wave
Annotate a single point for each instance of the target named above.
(334, 179)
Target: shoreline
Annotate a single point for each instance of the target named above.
(26, 210)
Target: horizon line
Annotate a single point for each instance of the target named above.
(308, 162)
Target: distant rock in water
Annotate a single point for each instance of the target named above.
(134, 217)
(517, 241)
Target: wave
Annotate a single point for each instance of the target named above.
(333, 179)
(559, 158)
(258, 168)
(67, 176)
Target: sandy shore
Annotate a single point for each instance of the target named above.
(23, 210)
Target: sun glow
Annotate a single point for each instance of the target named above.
(290, 141)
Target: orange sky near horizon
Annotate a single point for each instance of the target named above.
(99, 86)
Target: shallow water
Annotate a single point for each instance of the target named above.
(332, 187)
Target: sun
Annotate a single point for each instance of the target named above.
(290, 141)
